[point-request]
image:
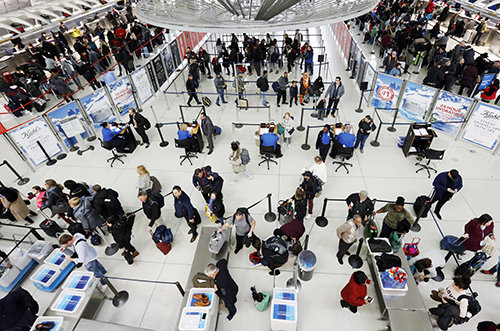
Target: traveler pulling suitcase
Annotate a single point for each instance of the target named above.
(51, 228)
(216, 242)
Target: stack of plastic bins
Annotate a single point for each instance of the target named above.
(46, 278)
(195, 318)
(40, 250)
(284, 310)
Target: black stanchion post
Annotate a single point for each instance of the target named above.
(21, 180)
(392, 128)
(49, 160)
(305, 146)
(359, 109)
(269, 216)
(301, 126)
(375, 142)
(120, 298)
(179, 287)
(36, 234)
(321, 220)
(72, 147)
(163, 142)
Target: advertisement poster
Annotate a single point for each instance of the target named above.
(175, 53)
(69, 123)
(98, 108)
(347, 42)
(182, 46)
(168, 60)
(187, 39)
(449, 108)
(416, 101)
(386, 92)
(141, 83)
(369, 75)
(121, 94)
(486, 81)
(161, 75)
(151, 73)
(483, 127)
(27, 135)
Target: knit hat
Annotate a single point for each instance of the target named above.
(400, 201)
(454, 174)
(360, 277)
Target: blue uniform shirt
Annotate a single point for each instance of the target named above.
(346, 139)
(183, 134)
(269, 139)
(325, 138)
(108, 134)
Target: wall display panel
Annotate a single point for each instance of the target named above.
(416, 101)
(142, 85)
(483, 127)
(449, 108)
(122, 96)
(70, 123)
(98, 107)
(386, 92)
(161, 74)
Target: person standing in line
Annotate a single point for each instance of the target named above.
(305, 84)
(86, 213)
(236, 162)
(396, 213)
(308, 60)
(390, 62)
(11, 199)
(18, 310)
(245, 226)
(207, 127)
(323, 141)
(294, 92)
(225, 286)
(300, 204)
(310, 188)
(207, 181)
(220, 86)
(120, 228)
(216, 207)
(144, 181)
(354, 294)
(347, 234)
(263, 85)
(446, 185)
(184, 209)
(86, 254)
(360, 204)
(492, 270)
(191, 90)
(106, 202)
(141, 124)
(334, 93)
(282, 83)
(239, 85)
(365, 127)
(318, 169)
(287, 124)
(151, 205)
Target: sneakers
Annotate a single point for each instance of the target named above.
(308, 216)
(487, 272)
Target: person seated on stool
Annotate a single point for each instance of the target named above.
(111, 136)
(271, 139)
(185, 133)
(347, 137)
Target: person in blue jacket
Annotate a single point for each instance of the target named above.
(111, 137)
(347, 137)
(184, 209)
(446, 185)
(207, 181)
(271, 139)
(323, 141)
(309, 57)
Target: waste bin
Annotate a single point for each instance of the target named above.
(307, 263)
(257, 138)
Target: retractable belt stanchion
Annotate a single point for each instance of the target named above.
(305, 146)
(72, 147)
(49, 160)
(269, 216)
(375, 142)
(20, 180)
(359, 109)
(158, 127)
(301, 126)
(392, 128)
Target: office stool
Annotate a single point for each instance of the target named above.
(430, 154)
(345, 152)
(115, 157)
(188, 157)
(189, 150)
(266, 154)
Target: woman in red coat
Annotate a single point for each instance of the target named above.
(490, 92)
(354, 293)
(478, 229)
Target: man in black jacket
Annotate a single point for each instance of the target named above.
(192, 89)
(204, 62)
(17, 310)
(310, 187)
(141, 124)
(151, 205)
(263, 85)
(207, 127)
(206, 181)
(184, 209)
(435, 76)
(225, 286)
(106, 202)
(359, 203)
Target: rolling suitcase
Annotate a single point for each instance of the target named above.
(206, 101)
(217, 130)
(470, 267)
(50, 228)
(216, 241)
(419, 203)
(162, 246)
(243, 103)
(452, 244)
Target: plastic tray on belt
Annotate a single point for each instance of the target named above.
(40, 250)
(194, 319)
(283, 315)
(57, 259)
(68, 301)
(284, 294)
(79, 280)
(45, 275)
(8, 276)
(57, 320)
(210, 292)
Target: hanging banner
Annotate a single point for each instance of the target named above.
(168, 60)
(416, 101)
(174, 46)
(449, 108)
(121, 94)
(187, 39)
(141, 83)
(27, 135)
(69, 123)
(486, 81)
(369, 75)
(483, 127)
(151, 73)
(386, 92)
(347, 42)
(182, 46)
(161, 75)
(98, 108)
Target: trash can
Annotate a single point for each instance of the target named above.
(257, 138)
(307, 263)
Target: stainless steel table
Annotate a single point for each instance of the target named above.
(86, 325)
(202, 257)
(406, 320)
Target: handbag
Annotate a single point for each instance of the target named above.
(411, 249)
(292, 130)
(61, 207)
(210, 215)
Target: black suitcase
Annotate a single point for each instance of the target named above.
(419, 203)
(470, 267)
(75, 228)
(50, 228)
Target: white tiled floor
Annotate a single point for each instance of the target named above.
(383, 171)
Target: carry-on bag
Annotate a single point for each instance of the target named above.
(420, 202)
(76, 227)
(216, 241)
(50, 228)
(162, 246)
(453, 244)
(470, 267)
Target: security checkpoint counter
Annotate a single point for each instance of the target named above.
(403, 308)
(207, 317)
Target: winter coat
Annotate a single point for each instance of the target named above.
(303, 88)
(121, 231)
(476, 235)
(219, 83)
(441, 181)
(309, 187)
(489, 93)
(87, 214)
(53, 195)
(320, 135)
(294, 229)
(235, 161)
(14, 312)
(107, 204)
(59, 85)
(469, 76)
(353, 293)
(227, 289)
(151, 208)
(348, 232)
(363, 209)
(207, 127)
(183, 207)
(13, 201)
(334, 90)
(435, 76)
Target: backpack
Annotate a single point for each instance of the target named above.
(473, 307)
(156, 184)
(259, 82)
(245, 156)
(276, 87)
(157, 197)
(163, 234)
(95, 239)
(318, 183)
(387, 261)
(216, 241)
(147, 124)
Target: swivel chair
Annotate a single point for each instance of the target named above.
(430, 154)
(344, 153)
(189, 149)
(266, 154)
(115, 157)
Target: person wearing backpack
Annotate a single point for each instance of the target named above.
(141, 124)
(310, 187)
(106, 202)
(152, 202)
(206, 181)
(120, 228)
(238, 161)
(245, 226)
(216, 207)
(263, 85)
(86, 213)
(184, 209)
